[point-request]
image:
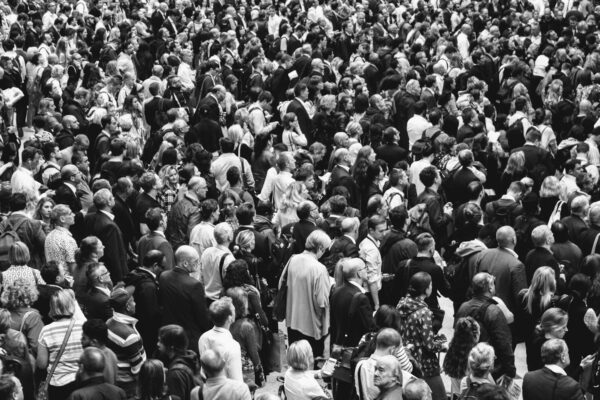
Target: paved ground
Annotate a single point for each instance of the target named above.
(272, 385)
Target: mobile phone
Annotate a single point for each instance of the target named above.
(328, 367)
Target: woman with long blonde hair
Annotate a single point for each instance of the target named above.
(294, 194)
(514, 171)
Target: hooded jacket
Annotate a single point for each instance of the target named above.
(147, 309)
(181, 375)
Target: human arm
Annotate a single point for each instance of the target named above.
(248, 177)
(428, 341)
(500, 339)
(403, 359)
(518, 280)
(199, 307)
(193, 220)
(438, 215)
(33, 324)
(133, 351)
(43, 356)
(255, 307)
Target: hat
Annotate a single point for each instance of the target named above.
(119, 298)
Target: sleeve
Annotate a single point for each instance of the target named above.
(518, 280)
(193, 220)
(234, 365)
(267, 189)
(443, 284)
(403, 359)
(134, 352)
(35, 325)
(365, 314)
(500, 339)
(300, 139)
(255, 306)
(176, 382)
(322, 289)
(437, 218)
(167, 250)
(427, 337)
(365, 376)
(368, 254)
(251, 343)
(199, 307)
(249, 177)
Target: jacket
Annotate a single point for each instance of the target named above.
(95, 304)
(351, 315)
(185, 214)
(546, 384)
(31, 233)
(300, 233)
(494, 330)
(439, 282)
(156, 241)
(437, 218)
(99, 224)
(576, 226)
(508, 271)
(180, 375)
(184, 303)
(417, 330)
(147, 306)
(97, 389)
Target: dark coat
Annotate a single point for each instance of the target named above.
(351, 316)
(300, 233)
(544, 384)
(540, 257)
(391, 154)
(156, 241)
(576, 226)
(115, 257)
(64, 195)
(97, 389)
(95, 304)
(31, 233)
(586, 239)
(303, 118)
(151, 109)
(184, 303)
(147, 306)
(494, 330)
(508, 271)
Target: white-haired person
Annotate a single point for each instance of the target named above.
(300, 382)
(480, 366)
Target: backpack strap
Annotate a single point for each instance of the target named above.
(221, 264)
(595, 244)
(360, 383)
(27, 314)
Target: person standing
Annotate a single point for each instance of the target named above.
(182, 297)
(60, 245)
(185, 213)
(369, 251)
(125, 340)
(155, 238)
(218, 386)
(552, 382)
(308, 288)
(214, 262)
(91, 378)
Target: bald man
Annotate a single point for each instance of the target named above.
(183, 297)
(343, 246)
(91, 378)
(218, 386)
(503, 263)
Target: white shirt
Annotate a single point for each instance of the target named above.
(221, 339)
(210, 270)
(415, 127)
(556, 369)
(415, 169)
(276, 187)
(202, 237)
(22, 182)
(462, 42)
(369, 251)
(393, 196)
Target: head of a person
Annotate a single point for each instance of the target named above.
(122, 301)
(245, 213)
(21, 293)
(53, 273)
(104, 199)
(237, 274)
(554, 322)
(223, 233)
(212, 362)
(18, 254)
(10, 388)
(187, 258)
(91, 248)
(198, 186)
(17, 202)
(300, 356)
(209, 210)
(429, 176)
(542, 236)
(579, 285)
(172, 341)
(317, 242)
(580, 206)
(483, 284)
(95, 333)
(560, 232)
(62, 216)
(417, 389)
(425, 243)
(481, 360)
(387, 372)
(91, 363)
(420, 285)
(151, 379)
(555, 352)
(62, 304)
(506, 237)
(387, 341)
(307, 210)
(222, 312)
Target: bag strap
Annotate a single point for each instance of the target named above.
(360, 383)
(285, 273)
(27, 314)
(595, 244)
(221, 263)
(17, 225)
(59, 355)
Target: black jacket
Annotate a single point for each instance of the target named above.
(147, 306)
(184, 303)
(95, 304)
(494, 330)
(180, 375)
(545, 384)
(351, 315)
(300, 233)
(100, 225)
(97, 389)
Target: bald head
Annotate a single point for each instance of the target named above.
(417, 389)
(187, 257)
(506, 237)
(351, 268)
(92, 361)
(595, 213)
(580, 205)
(349, 226)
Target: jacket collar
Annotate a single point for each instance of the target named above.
(124, 319)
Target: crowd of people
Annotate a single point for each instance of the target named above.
(192, 191)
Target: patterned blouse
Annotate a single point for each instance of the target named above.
(417, 331)
(31, 275)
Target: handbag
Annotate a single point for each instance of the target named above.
(280, 304)
(43, 389)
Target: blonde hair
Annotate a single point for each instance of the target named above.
(292, 197)
(245, 240)
(543, 286)
(18, 254)
(516, 162)
(300, 355)
(21, 293)
(550, 187)
(62, 304)
(481, 359)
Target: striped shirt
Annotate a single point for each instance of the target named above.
(127, 344)
(51, 337)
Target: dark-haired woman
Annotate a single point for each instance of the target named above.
(417, 330)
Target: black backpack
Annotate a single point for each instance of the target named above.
(504, 96)
(515, 135)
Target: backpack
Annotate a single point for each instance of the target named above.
(282, 249)
(8, 237)
(503, 214)
(504, 96)
(53, 180)
(107, 54)
(479, 316)
(418, 221)
(515, 135)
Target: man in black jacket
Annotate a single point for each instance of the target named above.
(144, 281)
(91, 378)
(493, 324)
(391, 152)
(551, 382)
(440, 213)
(182, 296)
(308, 212)
(343, 246)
